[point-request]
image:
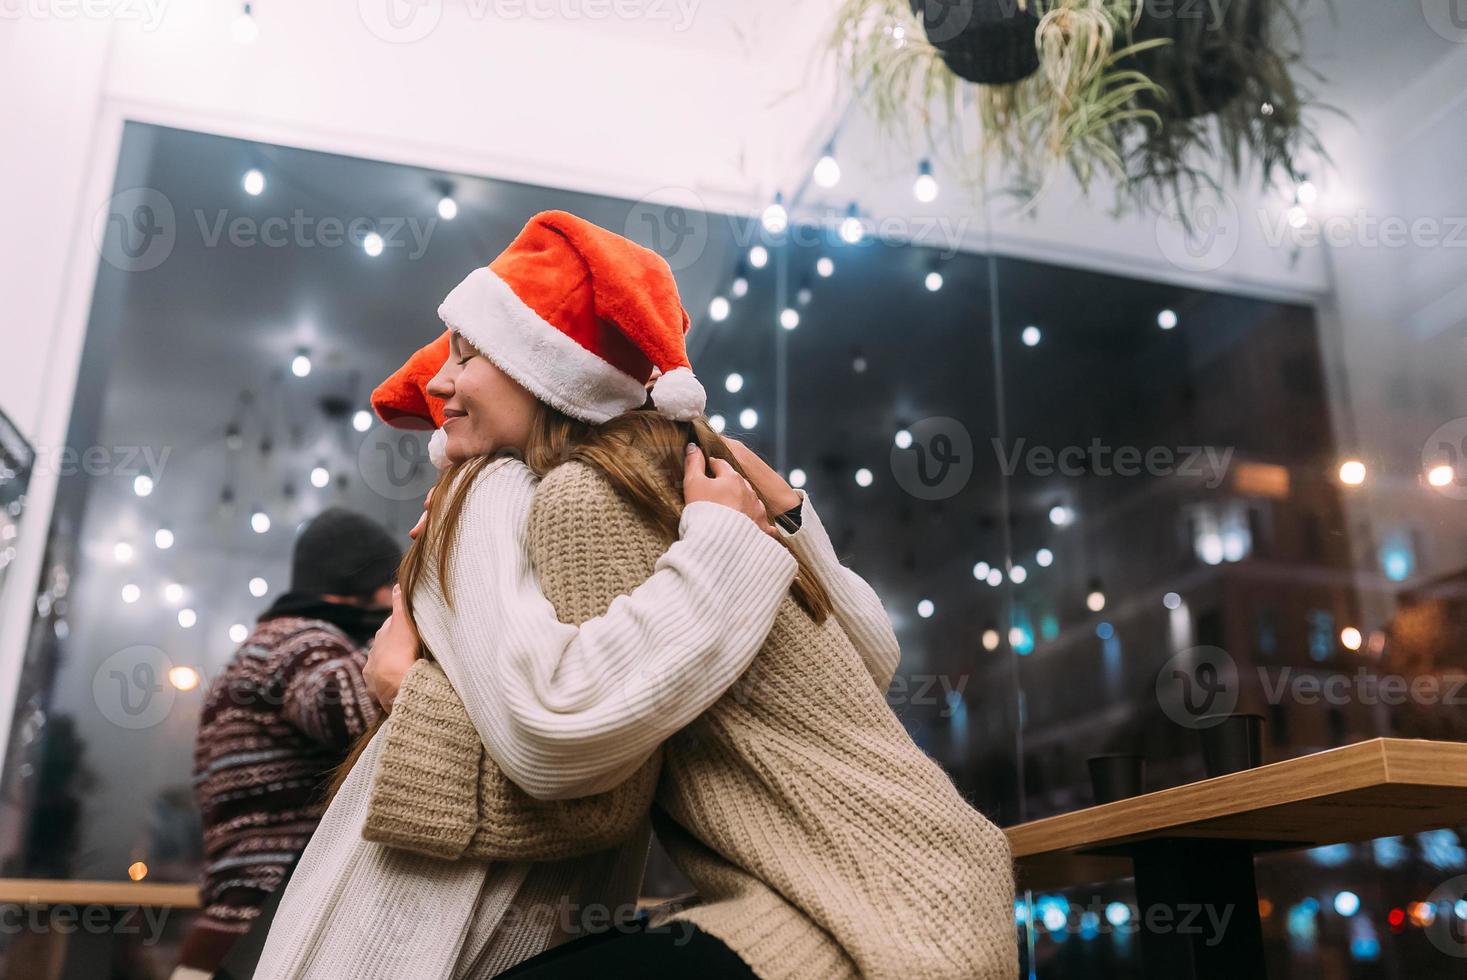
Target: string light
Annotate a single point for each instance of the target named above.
(362, 420)
(187, 618)
(864, 477)
(851, 229)
(1352, 473)
(925, 609)
(797, 478)
(718, 308)
(320, 476)
(903, 439)
(163, 538)
(254, 182)
(447, 204)
(142, 485)
(122, 551)
(260, 522)
(775, 218)
(372, 244)
(734, 383)
(934, 281)
(1030, 336)
(131, 593)
(716, 423)
(239, 632)
(258, 586)
(1095, 601)
(1441, 476)
(183, 678)
(740, 285)
(789, 318)
(758, 256)
(1350, 638)
(244, 28)
(925, 188)
(1171, 600)
(300, 365)
(1018, 574)
(748, 418)
(1044, 557)
(990, 640)
(995, 577)
(825, 266)
(827, 170)
(1166, 319)
(173, 593)
(1060, 515)
(980, 571)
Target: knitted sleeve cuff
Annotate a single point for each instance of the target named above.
(513, 826)
(425, 793)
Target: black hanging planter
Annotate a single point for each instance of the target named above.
(990, 42)
(1204, 67)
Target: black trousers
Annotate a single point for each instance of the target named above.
(675, 952)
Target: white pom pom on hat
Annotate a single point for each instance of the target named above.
(679, 395)
(438, 449)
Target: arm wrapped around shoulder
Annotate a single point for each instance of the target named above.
(437, 792)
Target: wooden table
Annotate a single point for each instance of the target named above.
(1194, 844)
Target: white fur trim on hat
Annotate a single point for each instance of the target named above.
(556, 369)
(438, 449)
(679, 395)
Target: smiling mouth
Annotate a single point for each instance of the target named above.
(453, 415)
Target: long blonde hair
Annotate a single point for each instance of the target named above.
(639, 452)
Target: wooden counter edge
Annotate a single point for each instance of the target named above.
(1374, 762)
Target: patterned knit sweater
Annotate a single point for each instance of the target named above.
(275, 723)
(823, 843)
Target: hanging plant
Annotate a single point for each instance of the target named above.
(990, 42)
(1159, 103)
(1203, 67)
(1066, 112)
(1238, 101)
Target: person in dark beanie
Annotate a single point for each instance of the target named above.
(279, 719)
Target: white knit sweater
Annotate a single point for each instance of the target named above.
(565, 711)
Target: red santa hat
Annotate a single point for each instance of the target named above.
(580, 316)
(403, 402)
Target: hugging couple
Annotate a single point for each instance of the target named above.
(595, 570)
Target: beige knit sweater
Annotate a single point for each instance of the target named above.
(823, 843)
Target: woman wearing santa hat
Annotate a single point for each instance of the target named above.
(519, 765)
